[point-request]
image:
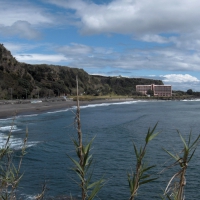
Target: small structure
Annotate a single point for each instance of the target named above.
(158, 90)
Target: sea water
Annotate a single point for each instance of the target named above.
(115, 127)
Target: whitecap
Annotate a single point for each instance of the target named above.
(28, 197)
(14, 142)
(108, 104)
(9, 128)
(31, 115)
(6, 119)
(191, 100)
(57, 111)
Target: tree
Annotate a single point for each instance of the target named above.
(150, 92)
(190, 92)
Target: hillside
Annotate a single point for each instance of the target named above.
(18, 80)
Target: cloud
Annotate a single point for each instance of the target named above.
(172, 25)
(13, 11)
(23, 19)
(75, 50)
(154, 38)
(40, 58)
(21, 28)
(180, 78)
(178, 81)
(15, 48)
(95, 57)
(84, 56)
(135, 17)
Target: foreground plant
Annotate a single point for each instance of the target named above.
(140, 177)
(176, 185)
(82, 167)
(9, 173)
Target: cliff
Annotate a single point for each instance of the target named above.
(23, 80)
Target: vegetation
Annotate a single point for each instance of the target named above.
(9, 173)
(140, 177)
(82, 168)
(176, 185)
(188, 94)
(21, 80)
(150, 92)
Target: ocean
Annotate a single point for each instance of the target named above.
(115, 127)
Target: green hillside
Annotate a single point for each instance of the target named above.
(21, 80)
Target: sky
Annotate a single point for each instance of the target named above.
(156, 39)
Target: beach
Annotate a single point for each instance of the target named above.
(24, 107)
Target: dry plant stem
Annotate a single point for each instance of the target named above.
(80, 140)
(41, 195)
(18, 177)
(182, 183)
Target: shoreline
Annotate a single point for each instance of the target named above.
(11, 110)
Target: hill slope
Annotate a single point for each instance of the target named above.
(18, 80)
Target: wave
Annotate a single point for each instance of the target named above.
(28, 197)
(57, 111)
(96, 105)
(31, 115)
(111, 103)
(19, 116)
(9, 128)
(6, 119)
(14, 142)
(191, 100)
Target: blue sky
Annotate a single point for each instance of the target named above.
(158, 39)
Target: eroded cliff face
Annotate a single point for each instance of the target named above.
(50, 80)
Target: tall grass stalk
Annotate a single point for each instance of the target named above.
(139, 177)
(176, 185)
(82, 166)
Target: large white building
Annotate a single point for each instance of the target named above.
(158, 90)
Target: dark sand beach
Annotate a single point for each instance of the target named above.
(15, 108)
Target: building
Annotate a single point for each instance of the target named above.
(158, 90)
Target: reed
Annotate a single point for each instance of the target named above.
(9, 173)
(140, 176)
(82, 167)
(176, 185)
